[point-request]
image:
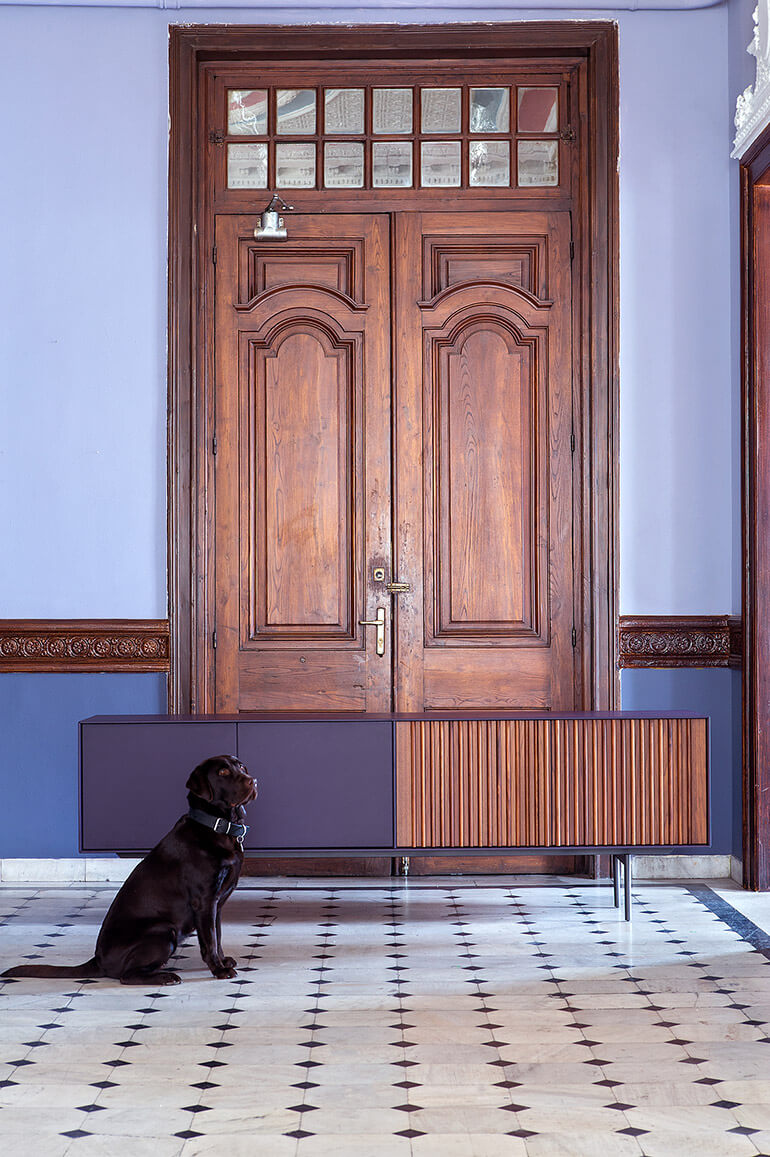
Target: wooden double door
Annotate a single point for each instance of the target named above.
(394, 463)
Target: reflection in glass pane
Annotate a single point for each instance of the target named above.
(295, 111)
(344, 110)
(440, 110)
(489, 110)
(490, 163)
(538, 110)
(344, 165)
(538, 162)
(295, 166)
(392, 110)
(247, 166)
(391, 164)
(440, 163)
(247, 112)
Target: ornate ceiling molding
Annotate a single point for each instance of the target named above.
(752, 111)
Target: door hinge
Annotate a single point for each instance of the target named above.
(214, 254)
(214, 445)
(571, 442)
(571, 251)
(214, 640)
(574, 637)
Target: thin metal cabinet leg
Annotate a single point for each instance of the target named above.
(616, 880)
(627, 885)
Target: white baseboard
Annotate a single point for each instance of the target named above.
(114, 870)
(81, 871)
(682, 867)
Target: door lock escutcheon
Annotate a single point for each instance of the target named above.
(379, 623)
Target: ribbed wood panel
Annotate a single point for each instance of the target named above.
(552, 782)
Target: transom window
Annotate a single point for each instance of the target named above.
(401, 137)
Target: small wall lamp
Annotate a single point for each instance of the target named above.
(271, 226)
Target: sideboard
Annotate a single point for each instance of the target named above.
(438, 782)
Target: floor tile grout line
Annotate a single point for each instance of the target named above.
(578, 901)
(644, 908)
(322, 940)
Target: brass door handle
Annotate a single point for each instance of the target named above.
(379, 623)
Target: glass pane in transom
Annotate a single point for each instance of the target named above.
(440, 110)
(392, 110)
(295, 166)
(490, 163)
(295, 111)
(538, 163)
(391, 164)
(440, 163)
(344, 110)
(343, 165)
(247, 166)
(489, 110)
(247, 112)
(538, 110)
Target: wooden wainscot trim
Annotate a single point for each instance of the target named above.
(103, 645)
(680, 641)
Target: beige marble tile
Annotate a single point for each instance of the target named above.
(685, 1118)
(353, 1145)
(105, 1146)
(467, 1145)
(582, 1145)
(365, 1120)
(237, 1145)
(464, 1119)
(672, 1143)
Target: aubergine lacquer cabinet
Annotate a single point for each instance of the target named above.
(604, 781)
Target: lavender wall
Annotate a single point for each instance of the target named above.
(83, 98)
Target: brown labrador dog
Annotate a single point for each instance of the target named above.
(179, 886)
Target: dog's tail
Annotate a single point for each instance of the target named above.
(76, 972)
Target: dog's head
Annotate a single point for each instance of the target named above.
(223, 779)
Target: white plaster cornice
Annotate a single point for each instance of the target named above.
(752, 111)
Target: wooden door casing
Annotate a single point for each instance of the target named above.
(484, 462)
(302, 463)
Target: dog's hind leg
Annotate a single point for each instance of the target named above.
(143, 962)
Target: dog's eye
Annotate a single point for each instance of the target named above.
(225, 771)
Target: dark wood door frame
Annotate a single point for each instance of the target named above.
(755, 266)
(191, 219)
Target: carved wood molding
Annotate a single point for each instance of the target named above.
(71, 645)
(680, 641)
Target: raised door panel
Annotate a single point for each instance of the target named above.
(488, 409)
(303, 463)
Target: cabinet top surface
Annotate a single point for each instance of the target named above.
(402, 717)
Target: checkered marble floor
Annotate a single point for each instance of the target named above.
(385, 1018)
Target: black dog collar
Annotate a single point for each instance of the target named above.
(219, 824)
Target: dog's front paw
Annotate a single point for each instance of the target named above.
(229, 962)
(224, 973)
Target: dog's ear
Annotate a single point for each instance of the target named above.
(199, 783)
